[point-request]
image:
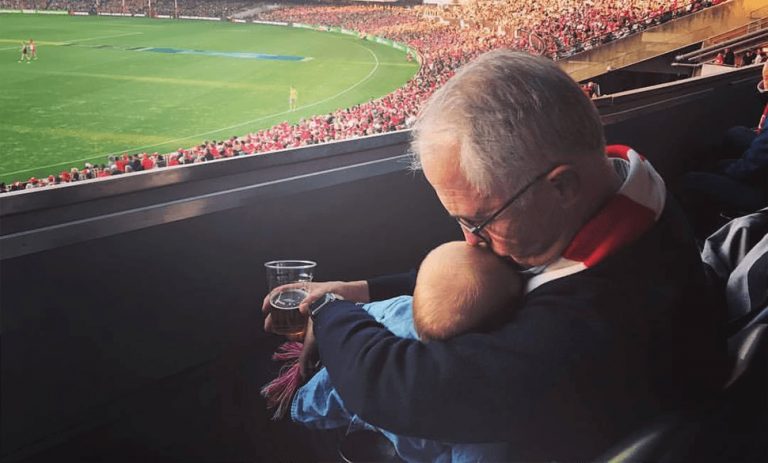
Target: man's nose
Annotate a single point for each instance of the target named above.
(472, 239)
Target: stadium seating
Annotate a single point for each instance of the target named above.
(445, 37)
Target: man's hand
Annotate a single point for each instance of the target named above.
(355, 291)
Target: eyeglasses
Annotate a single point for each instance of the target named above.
(478, 229)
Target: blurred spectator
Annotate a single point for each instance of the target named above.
(738, 183)
(748, 58)
(759, 56)
(729, 58)
(591, 89)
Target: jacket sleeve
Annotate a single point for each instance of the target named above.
(506, 385)
(387, 287)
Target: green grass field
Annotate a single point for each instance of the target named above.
(96, 89)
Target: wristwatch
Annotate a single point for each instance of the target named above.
(317, 306)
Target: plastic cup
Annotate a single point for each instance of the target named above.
(288, 282)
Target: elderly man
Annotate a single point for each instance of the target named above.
(615, 327)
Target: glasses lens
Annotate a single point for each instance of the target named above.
(473, 229)
(465, 225)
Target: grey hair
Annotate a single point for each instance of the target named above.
(511, 115)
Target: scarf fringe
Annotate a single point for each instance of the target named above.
(280, 391)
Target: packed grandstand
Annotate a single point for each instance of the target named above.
(446, 37)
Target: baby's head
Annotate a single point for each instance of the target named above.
(462, 288)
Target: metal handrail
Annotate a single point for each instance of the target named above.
(713, 49)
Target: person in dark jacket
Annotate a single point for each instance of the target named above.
(616, 327)
(729, 57)
(738, 184)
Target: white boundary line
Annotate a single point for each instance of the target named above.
(202, 135)
(102, 37)
(70, 42)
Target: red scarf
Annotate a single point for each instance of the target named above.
(628, 215)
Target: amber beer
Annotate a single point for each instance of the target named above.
(288, 282)
(286, 318)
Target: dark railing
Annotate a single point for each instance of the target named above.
(740, 42)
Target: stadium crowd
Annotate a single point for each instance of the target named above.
(446, 38)
(755, 55)
(200, 8)
(558, 28)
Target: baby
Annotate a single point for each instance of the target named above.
(459, 289)
(462, 288)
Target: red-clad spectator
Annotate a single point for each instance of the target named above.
(121, 162)
(146, 162)
(446, 37)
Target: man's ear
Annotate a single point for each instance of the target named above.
(566, 184)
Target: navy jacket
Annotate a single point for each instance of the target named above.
(753, 162)
(587, 359)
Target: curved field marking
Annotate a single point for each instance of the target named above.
(202, 135)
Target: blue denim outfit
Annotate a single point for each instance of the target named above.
(317, 404)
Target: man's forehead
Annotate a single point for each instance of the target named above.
(442, 168)
(460, 198)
